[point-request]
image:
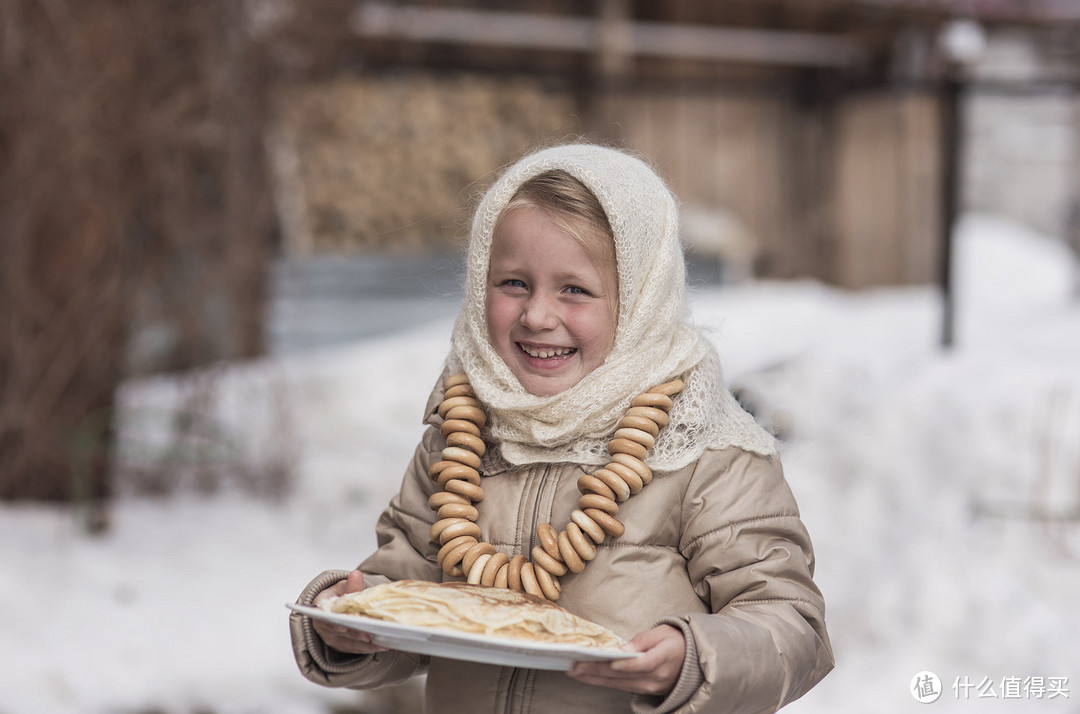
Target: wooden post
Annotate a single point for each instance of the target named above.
(614, 41)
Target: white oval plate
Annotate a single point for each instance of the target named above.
(467, 646)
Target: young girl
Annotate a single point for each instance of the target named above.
(577, 388)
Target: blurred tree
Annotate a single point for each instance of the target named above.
(131, 192)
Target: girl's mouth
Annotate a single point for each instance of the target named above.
(546, 352)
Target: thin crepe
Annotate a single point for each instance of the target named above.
(475, 609)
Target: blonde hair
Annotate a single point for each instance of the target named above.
(573, 208)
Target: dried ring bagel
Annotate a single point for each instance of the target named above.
(451, 553)
(493, 568)
(459, 425)
(549, 539)
(669, 389)
(469, 413)
(471, 491)
(574, 562)
(590, 527)
(584, 547)
(476, 572)
(619, 488)
(442, 524)
(440, 498)
(467, 441)
(615, 446)
(528, 580)
(611, 525)
(543, 560)
(639, 435)
(513, 574)
(635, 422)
(458, 528)
(657, 416)
(592, 500)
(650, 399)
(589, 482)
(636, 464)
(436, 468)
(455, 379)
(464, 456)
(475, 552)
(459, 510)
(458, 471)
(448, 404)
(627, 474)
(549, 585)
(459, 390)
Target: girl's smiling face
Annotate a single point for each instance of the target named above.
(551, 305)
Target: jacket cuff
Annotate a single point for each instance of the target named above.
(331, 668)
(690, 678)
(325, 660)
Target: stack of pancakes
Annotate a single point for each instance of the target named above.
(474, 609)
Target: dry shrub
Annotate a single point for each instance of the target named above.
(131, 195)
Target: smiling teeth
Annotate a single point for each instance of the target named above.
(545, 354)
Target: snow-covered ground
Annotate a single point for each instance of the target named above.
(942, 490)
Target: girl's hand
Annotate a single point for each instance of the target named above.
(654, 672)
(338, 637)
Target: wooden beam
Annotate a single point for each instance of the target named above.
(1042, 12)
(508, 29)
(583, 34)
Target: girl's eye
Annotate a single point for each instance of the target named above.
(514, 283)
(575, 290)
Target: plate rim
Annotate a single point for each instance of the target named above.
(548, 650)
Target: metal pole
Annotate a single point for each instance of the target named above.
(951, 97)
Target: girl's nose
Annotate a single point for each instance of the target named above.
(539, 314)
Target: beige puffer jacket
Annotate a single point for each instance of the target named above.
(716, 548)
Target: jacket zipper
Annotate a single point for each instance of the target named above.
(511, 698)
(511, 693)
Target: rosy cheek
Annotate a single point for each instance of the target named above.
(601, 334)
(499, 316)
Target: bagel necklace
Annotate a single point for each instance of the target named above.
(461, 551)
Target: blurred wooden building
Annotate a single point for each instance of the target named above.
(156, 157)
(803, 137)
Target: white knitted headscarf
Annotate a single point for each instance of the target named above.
(654, 341)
